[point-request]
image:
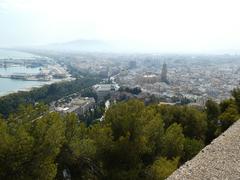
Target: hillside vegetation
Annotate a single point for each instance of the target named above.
(134, 141)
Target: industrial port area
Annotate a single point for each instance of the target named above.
(33, 69)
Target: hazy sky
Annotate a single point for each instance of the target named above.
(169, 25)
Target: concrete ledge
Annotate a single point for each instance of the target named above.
(219, 160)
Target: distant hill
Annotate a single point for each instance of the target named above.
(88, 45)
(82, 45)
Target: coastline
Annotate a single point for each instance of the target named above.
(28, 88)
(16, 62)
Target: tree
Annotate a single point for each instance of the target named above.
(153, 131)
(228, 117)
(15, 152)
(173, 141)
(213, 112)
(236, 95)
(225, 104)
(162, 168)
(124, 157)
(78, 153)
(193, 121)
(48, 134)
(191, 148)
(29, 147)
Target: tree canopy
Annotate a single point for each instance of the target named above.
(135, 141)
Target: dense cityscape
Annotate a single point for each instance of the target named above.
(171, 78)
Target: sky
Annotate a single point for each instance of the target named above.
(164, 25)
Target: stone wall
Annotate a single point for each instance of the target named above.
(219, 160)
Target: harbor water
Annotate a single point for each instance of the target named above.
(8, 85)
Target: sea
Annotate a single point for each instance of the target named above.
(8, 85)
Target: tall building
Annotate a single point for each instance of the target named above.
(164, 73)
